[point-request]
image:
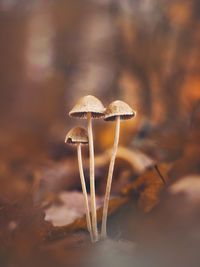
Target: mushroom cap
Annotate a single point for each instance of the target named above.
(77, 135)
(119, 108)
(87, 104)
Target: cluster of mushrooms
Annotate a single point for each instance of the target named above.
(89, 107)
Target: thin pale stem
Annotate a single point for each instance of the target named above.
(92, 179)
(109, 180)
(80, 165)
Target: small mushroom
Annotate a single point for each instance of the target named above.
(89, 107)
(116, 111)
(78, 136)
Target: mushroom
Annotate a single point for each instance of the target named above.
(78, 136)
(116, 111)
(89, 107)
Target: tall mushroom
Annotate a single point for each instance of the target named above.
(89, 107)
(116, 111)
(78, 136)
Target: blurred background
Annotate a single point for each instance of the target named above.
(52, 52)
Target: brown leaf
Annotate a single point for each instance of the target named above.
(148, 187)
(57, 232)
(70, 208)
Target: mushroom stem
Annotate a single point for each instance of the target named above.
(109, 180)
(80, 165)
(92, 179)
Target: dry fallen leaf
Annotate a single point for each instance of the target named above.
(70, 208)
(69, 216)
(148, 187)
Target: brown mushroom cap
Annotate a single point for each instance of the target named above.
(77, 135)
(87, 104)
(119, 108)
